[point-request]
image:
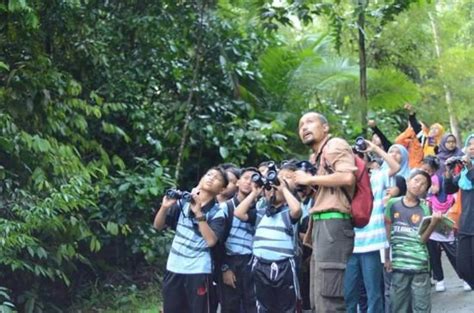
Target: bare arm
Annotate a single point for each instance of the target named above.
(160, 217)
(241, 210)
(393, 165)
(336, 179)
(206, 232)
(293, 203)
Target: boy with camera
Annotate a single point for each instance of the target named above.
(199, 224)
(238, 285)
(276, 283)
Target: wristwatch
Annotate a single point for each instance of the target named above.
(201, 218)
(224, 268)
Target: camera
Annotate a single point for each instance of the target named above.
(178, 195)
(360, 144)
(451, 164)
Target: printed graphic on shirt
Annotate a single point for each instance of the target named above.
(408, 252)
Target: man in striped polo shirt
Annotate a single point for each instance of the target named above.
(199, 224)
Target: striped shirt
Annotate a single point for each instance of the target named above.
(373, 236)
(273, 239)
(189, 253)
(240, 237)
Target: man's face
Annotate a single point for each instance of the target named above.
(245, 182)
(231, 188)
(417, 185)
(212, 182)
(311, 130)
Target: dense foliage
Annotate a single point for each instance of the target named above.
(105, 104)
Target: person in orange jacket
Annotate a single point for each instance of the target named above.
(415, 151)
(429, 138)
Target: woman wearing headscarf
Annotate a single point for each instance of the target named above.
(447, 148)
(465, 183)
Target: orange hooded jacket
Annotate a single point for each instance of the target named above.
(415, 151)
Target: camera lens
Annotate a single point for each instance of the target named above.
(360, 144)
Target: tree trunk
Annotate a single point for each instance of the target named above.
(453, 121)
(189, 105)
(362, 65)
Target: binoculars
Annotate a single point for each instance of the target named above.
(178, 195)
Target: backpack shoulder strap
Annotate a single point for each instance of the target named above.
(288, 225)
(320, 154)
(229, 217)
(330, 170)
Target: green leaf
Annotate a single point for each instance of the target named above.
(4, 66)
(112, 228)
(224, 152)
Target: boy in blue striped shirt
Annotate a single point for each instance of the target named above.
(238, 288)
(198, 224)
(276, 283)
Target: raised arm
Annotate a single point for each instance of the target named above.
(293, 203)
(160, 218)
(414, 123)
(385, 142)
(242, 209)
(393, 165)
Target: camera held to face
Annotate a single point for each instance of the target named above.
(360, 144)
(454, 161)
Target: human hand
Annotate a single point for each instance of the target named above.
(409, 107)
(302, 178)
(196, 203)
(436, 217)
(434, 189)
(388, 266)
(466, 160)
(229, 278)
(371, 123)
(167, 203)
